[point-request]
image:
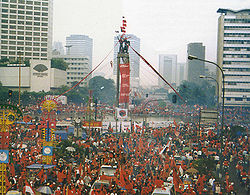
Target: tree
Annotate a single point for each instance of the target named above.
(193, 93)
(59, 63)
(103, 89)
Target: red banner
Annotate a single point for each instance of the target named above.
(125, 83)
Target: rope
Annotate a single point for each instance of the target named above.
(90, 71)
(156, 72)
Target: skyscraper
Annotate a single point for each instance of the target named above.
(195, 68)
(167, 68)
(80, 45)
(58, 48)
(233, 55)
(134, 59)
(26, 26)
(180, 73)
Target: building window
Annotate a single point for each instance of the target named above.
(28, 53)
(13, 16)
(4, 36)
(28, 38)
(20, 27)
(12, 47)
(28, 48)
(4, 31)
(4, 42)
(238, 99)
(19, 11)
(20, 33)
(20, 43)
(12, 53)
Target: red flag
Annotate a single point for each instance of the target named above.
(12, 170)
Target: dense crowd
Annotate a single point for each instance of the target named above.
(194, 161)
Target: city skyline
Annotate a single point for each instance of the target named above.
(160, 29)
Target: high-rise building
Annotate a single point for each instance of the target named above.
(134, 59)
(26, 26)
(167, 68)
(180, 73)
(195, 68)
(58, 48)
(233, 55)
(80, 45)
(26, 42)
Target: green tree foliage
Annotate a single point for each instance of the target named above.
(103, 89)
(193, 93)
(59, 63)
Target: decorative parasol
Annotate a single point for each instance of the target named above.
(45, 190)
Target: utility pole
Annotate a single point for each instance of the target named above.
(19, 79)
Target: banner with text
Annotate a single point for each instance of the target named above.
(125, 83)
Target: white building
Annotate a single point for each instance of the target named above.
(78, 68)
(134, 59)
(80, 45)
(26, 26)
(39, 76)
(167, 68)
(234, 55)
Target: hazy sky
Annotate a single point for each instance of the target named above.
(162, 25)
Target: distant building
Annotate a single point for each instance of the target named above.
(195, 68)
(168, 69)
(134, 59)
(180, 73)
(234, 55)
(80, 45)
(78, 68)
(58, 48)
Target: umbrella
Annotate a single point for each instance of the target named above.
(13, 192)
(192, 170)
(70, 149)
(45, 190)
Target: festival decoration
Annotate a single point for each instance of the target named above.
(48, 126)
(8, 115)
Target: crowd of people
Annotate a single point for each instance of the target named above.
(194, 161)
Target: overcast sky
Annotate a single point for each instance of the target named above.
(162, 25)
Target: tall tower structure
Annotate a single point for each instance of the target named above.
(167, 68)
(80, 45)
(134, 59)
(26, 26)
(195, 68)
(233, 55)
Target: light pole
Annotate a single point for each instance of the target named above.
(203, 77)
(190, 57)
